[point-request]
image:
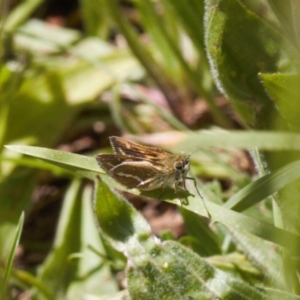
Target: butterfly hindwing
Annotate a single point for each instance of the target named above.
(131, 171)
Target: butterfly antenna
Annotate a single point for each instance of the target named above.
(194, 152)
(194, 180)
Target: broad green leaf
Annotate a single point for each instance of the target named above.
(284, 89)
(163, 270)
(199, 229)
(263, 255)
(169, 270)
(241, 45)
(128, 230)
(117, 218)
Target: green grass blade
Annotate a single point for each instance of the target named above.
(87, 167)
(263, 140)
(79, 164)
(241, 222)
(20, 14)
(10, 259)
(76, 267)
(33, 281)
(264, 187)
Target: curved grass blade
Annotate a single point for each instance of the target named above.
(264, 187)
(27, 278)
(242, 222)
(87, 167)
(79, 164)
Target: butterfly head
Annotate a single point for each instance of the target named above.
(181, 167)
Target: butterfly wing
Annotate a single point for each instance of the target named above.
(124, 147)
(133, 172)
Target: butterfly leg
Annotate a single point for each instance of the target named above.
(181, 185)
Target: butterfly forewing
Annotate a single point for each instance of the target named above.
(124, 147)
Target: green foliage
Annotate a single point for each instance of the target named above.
(73, 267)
(236, 64)
(162, 270)
(120, 222)
(259, 77)
(50, 78)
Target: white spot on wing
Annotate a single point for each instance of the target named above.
(132, 176)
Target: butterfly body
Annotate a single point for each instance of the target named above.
(142, 167)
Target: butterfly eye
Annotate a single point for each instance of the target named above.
(178, 165)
